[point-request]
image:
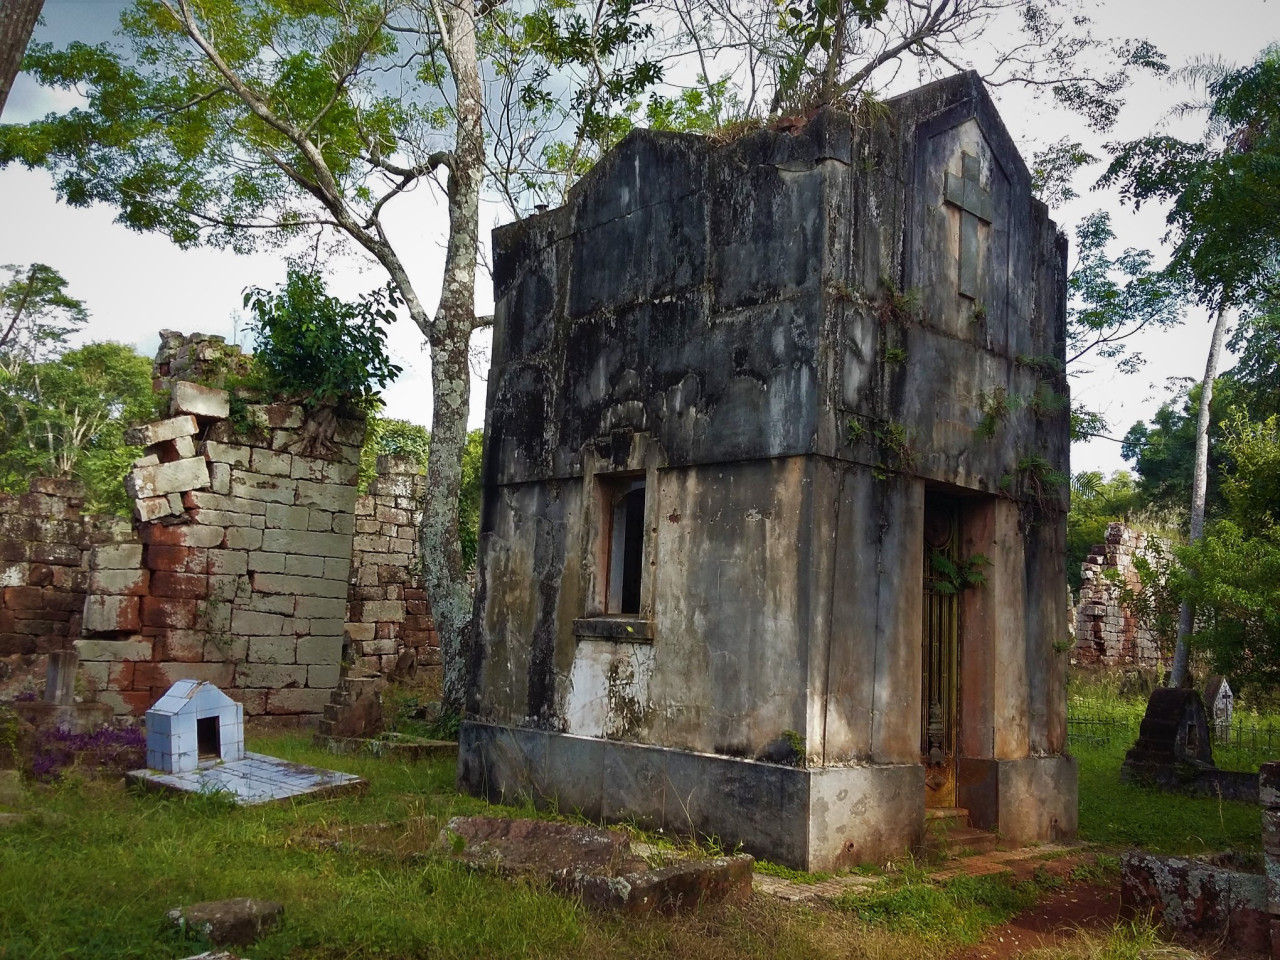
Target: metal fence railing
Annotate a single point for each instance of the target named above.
(1243, 745)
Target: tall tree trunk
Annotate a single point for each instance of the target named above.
(445, 579)
(1199, 488)
(17, 22)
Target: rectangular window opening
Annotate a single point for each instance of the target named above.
(626, 546)
(208, 738)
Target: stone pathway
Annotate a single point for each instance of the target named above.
(255, 779)
(983, 864)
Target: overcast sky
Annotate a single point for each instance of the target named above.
(137, 284)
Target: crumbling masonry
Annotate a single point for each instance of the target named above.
(252, 562)
(1107, 632)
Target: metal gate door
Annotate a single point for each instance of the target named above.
(941, 653)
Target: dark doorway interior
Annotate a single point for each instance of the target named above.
(941, 654)
(208, 738)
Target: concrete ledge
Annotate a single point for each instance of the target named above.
(810, 819)
(1031, 800)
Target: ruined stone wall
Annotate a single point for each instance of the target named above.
(240, 573)
(43, 565)
(1107, 632)
(387, 613)
(239, 567)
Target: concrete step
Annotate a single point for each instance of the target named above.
(947, 832)
(961, 841)
(946, 817)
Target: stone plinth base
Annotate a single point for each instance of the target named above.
(1032, 800)
(809, 819)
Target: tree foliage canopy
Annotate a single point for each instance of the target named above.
(791, 57)
(1231, 577)
(320, 349)
(63, 412)
(37, 315)
(66, 417)
(1223, 191)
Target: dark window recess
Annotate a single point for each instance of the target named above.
(208, 738)
(626, 549)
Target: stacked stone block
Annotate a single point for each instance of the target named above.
(387, 612)
(1269, 797)
(43, 570)
(197, 358)
(1107, 633)
(240, 578)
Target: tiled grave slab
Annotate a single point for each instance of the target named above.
(254, 779)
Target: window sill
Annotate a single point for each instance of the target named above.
(614, 627)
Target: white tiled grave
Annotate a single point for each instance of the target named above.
(195, 743)
(192, 723)
(254, 778)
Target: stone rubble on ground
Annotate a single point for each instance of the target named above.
(237, 922)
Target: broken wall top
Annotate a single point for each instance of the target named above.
(882, 288)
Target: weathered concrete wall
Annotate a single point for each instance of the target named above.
(725, 322)
(387, 609)
(821, 818)
(1107, 632)
(240, 576)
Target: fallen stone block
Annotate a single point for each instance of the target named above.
(150, 509)
(238, 922)
(1212, 896)
(596, 864)
(180, 448)
(161, 430)
(672, 889)
(199, 401)
(165, 478)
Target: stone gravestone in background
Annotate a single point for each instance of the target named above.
(759, 414)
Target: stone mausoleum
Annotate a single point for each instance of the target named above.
(772, 545)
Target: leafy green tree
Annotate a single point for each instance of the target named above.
(1224, 219)
(1163, 454)
(37, 315)
(791, 57)
(249, 122)
(1110, 300)
(66, 417)
(1253, 384)
(320, 349)
(1231, 577)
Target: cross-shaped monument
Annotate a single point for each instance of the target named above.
(974, 202)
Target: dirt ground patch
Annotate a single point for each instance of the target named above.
(1057, 917)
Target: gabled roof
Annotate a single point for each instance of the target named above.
(188, 696)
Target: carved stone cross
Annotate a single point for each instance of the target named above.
(974, 202)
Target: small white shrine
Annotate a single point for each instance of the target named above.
(195, 744)
(193, 723)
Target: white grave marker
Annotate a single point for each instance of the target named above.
(193, 723)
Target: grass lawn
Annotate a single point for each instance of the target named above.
(92, 874)
(1115, 814)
